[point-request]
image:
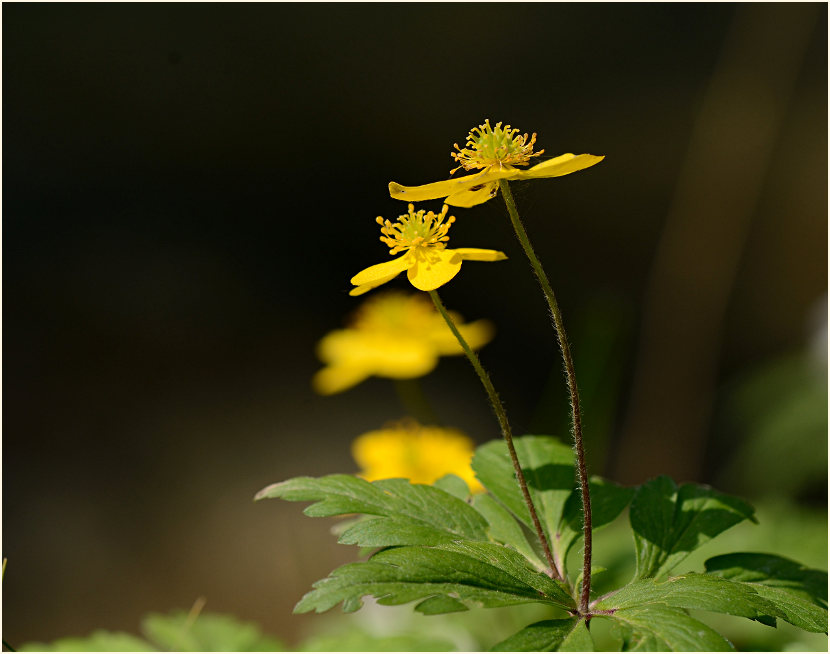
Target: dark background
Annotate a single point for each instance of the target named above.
(187, 190)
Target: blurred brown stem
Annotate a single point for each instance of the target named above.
(699, 252)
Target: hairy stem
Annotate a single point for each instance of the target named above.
(501, 416)
(576, 419)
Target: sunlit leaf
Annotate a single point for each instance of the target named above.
(798, 593)
(670, 522)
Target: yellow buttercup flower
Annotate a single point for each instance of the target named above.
(496, 151)
(422, 454)
(427, 260)
(393, 334)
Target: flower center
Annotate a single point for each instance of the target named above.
(490, 146)
(416, 230)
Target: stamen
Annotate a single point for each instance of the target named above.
(416, 229)
(495, 146)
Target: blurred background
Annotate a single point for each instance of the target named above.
(187, 189)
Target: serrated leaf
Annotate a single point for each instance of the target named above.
(503, 528)
(514, 564)
(608, 500)
(548, 468)
(404, 574)
(413, 504)
(566, 635)
(771, 570)
(799, 593)
(660, 628)
(693, 591)
(385, 532)
(670, 522)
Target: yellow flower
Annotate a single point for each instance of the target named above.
(393, 334)
(428, 261)
(496, 151)
(416, 452)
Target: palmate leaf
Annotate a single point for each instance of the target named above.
(409, 514)
(567, 635)
(549, 469)
(798, 593)
(670, 522)
(661, 628)
(452, 577)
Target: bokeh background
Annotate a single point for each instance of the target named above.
(187, 189)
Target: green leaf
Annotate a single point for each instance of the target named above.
(579, 640)
(548, 468)
(514, 564)
(404, 574)
(608, 500)
(567, 635)
(209, 632)
(454, 485)
(97, 641)
(670, 522)
(415, 508)
(384, 532)
(504, 528)
(660, 628)
(440, 604)
(693, 591)
(799, 593)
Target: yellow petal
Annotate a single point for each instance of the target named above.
(434, 269)
(360, 290)
(335, 379)
(380, 273)
(477, 334)
(355, 354)
(561, 165)
(478, 254)
(405, 358)
(474, 195)
(449, 187)
(426, 192)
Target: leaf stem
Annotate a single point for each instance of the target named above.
(576, 419)
(501, 416)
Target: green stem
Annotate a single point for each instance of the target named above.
(501, 416)
(576, 419)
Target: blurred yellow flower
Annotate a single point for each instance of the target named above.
(428, 261)
(496, 151)
(393, 334)
(422, 454)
